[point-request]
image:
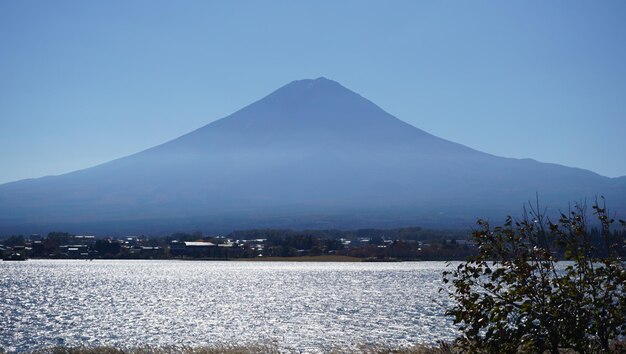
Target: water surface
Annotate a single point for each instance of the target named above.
(300, 306)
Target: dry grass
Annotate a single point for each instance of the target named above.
(241, 349)
(211, 349)
(443, 348)
(272, 348)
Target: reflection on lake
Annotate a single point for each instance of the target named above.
(301, 306)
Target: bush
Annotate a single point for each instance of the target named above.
(515, 295)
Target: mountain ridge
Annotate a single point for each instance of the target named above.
(311, 150)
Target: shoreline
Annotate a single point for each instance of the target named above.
(323, 258)
(313, 259)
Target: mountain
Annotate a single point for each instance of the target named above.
(312, 154)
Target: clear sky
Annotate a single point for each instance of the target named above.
(84, 82)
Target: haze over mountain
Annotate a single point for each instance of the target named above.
(312, 154)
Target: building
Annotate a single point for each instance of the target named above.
(200, 249)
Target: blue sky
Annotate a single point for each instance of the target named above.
(84, 82)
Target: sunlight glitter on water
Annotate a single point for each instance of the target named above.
(300, 306)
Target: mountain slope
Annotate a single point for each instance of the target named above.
(312, 153)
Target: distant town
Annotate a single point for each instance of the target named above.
(403, 244)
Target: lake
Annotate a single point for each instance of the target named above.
(300, 306)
